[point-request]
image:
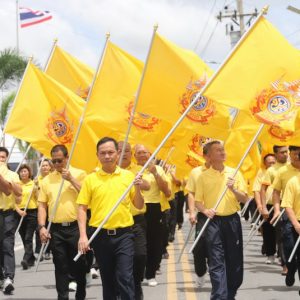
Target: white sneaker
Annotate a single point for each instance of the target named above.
(94, 273)
(88, 278)
(270, 260)
(8, 286)
(152, 282)
(200, 281)
(72, 286)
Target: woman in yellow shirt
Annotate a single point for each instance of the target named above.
(27, 209)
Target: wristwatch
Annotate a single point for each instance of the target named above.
(40, 227)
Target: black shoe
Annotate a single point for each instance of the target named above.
(171, 238)
(24, 264)
(289, 279)
(179, 226)
(263, 249)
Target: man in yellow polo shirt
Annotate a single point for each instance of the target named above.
(10, 194)
(139, 226)
(114, 245)
(224, 233)
(285, 232)
(64, 229)
(198, 219)
(291, 203)
(157, 179)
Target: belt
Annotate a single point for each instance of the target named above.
(65, 224)
(6, 212)
(115, 232)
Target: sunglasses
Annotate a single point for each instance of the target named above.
(57, 161)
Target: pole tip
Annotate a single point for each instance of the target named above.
(155, 26)
(265, 9)
(55, 40)
(107, 35)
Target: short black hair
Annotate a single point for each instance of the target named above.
(294, 148)
(268, 155)
(276, 148)
(105, 140)
(25, 166)
(61, 148)
(208, 146)
(4, 149)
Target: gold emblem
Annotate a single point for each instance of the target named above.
(277, 103)
(196, 147)
(59, 127)
(280, 134)
(204, 109)
(141, 120)
(82, 92)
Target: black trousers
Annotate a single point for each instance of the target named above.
(63, 243)
(9, 222)
(26, 231)
(153, 217)
(225, 251)
(200, 251)
(172, 217)
(140, 254)
(114, 254)
(180, 199)
(269, 235)
(165, 232)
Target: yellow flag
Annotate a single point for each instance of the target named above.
(172, 79)
(111, 103)
(45, 112)
(70, 72)
(261, 76)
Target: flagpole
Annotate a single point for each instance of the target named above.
(53, 212)
(11, 150)
(168, 156)
(226, 188)
(17, 26)
(137, 97)
(50, 55)
(23, 158)
(177, 123)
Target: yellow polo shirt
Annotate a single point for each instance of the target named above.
(271, 173)
(211, 184)
(26, 191)
(67, 207)
(8, 202)
(282, 177)
(135, 169)
(192, 180)
(153, 195)
(101, 191)
(164, 201)
(291, 196)
(258, 183)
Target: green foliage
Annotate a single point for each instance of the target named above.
(12, 67)
(5, 106)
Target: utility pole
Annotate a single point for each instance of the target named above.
(237, 17)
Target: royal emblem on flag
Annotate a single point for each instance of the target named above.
(204, 109)
(141, 120)
(280, 134)
(59, 127)
(196, 147)
(82, 92)
(277, 103)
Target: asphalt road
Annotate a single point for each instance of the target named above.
(261, 281)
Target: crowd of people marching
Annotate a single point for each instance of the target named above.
(134, 235)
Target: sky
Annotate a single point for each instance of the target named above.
(80, 26)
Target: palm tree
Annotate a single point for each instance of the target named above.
(12, 67)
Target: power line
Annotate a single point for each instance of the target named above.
(204, 27)
(209, 39)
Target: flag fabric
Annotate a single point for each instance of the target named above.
(262, 76)
(45, 113)
(29, 17)
(172, 79)
(70, 72)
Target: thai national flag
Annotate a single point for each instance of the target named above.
(30, 17)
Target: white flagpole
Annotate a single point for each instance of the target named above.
(53, 212)
(23, 158)
(279, 217)
(294, 249)
(137, 98)
(177, 123)
(17, 26)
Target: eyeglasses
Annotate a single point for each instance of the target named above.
(57, 161)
